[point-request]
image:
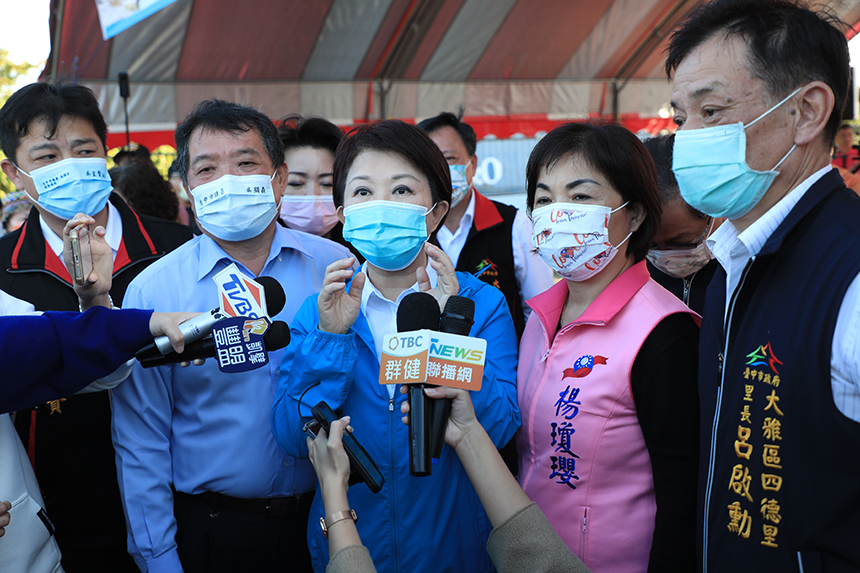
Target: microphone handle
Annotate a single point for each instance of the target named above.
(441, 412)
(419, 431)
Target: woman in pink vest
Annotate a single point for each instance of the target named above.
(606, 379)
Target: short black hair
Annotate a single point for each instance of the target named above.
(661, 148)
(616, 154)
(220, 115)
(132, 152)
(448, 119)
(788, 45)
(49, 102)
(314, 132)
(145, 190)
(845, 126)
(393, 136)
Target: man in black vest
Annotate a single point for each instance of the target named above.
(54, 137)
(758, 91)
(490, 240)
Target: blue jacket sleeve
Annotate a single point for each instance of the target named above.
(142, 409)
(58, 353)
(496, 402)
(316, 366)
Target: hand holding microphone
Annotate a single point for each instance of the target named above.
(201, 325)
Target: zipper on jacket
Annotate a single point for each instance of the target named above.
(544, 357)
(720, 380)
(688, 286)
(393, 481)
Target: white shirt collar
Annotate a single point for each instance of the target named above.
(113, 235)
(370, 290)
(465, 221)
(733, 250)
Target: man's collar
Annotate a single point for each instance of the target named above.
(722, 241)
(211, 253)
(113, 234)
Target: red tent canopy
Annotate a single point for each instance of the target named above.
(514, 66)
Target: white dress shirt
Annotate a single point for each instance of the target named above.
(533, 276)
(381, 313)
(733, 250)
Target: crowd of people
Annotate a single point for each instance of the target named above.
(672, 369)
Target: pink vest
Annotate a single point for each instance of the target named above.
(583, 458)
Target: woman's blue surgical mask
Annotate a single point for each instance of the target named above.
(389, 234)
(235, 207)
(72, 186)
(711, 168)
(459, 184)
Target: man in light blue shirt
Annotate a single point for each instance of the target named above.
(204, 485)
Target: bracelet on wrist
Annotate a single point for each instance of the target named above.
(335, 518)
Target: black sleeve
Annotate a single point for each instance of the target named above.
(663, 381)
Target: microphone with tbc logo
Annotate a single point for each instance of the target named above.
(418, 311)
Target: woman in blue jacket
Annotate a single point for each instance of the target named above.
(392, 189)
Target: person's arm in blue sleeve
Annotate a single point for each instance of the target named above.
(496, 402)
(142, 408)
(56, 354)
(312, 356)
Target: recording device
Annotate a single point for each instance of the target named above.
(81, 253)
(457, 318)
(418, 311)
(276, 337)
(363, 467)
(199, 326)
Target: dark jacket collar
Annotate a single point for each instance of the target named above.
(31, 251)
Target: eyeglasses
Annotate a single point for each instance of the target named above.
(678, 246)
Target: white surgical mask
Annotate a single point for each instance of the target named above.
(313, 214)
(573, 239)
(235, 207)
(72, 186)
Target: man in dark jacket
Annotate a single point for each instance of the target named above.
(758, 91)
(53, 136)
(488, 239)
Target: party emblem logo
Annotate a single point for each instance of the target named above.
(583, 366)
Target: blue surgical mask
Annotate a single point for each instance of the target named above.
(712, 172)
(459, 185)
(72, 186)
(389, 234)
(235, 207)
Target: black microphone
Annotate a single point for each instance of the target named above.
(276, 337)
(457, 318)
(418, 311)
(201, 325)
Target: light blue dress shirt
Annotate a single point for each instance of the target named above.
(196, 428)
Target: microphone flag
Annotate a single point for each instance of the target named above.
(432, 357)
(240, 295)
(239, 345)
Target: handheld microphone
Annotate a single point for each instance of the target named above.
(418, 311)
(457, 318)
(201, 325)
(276, 337)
